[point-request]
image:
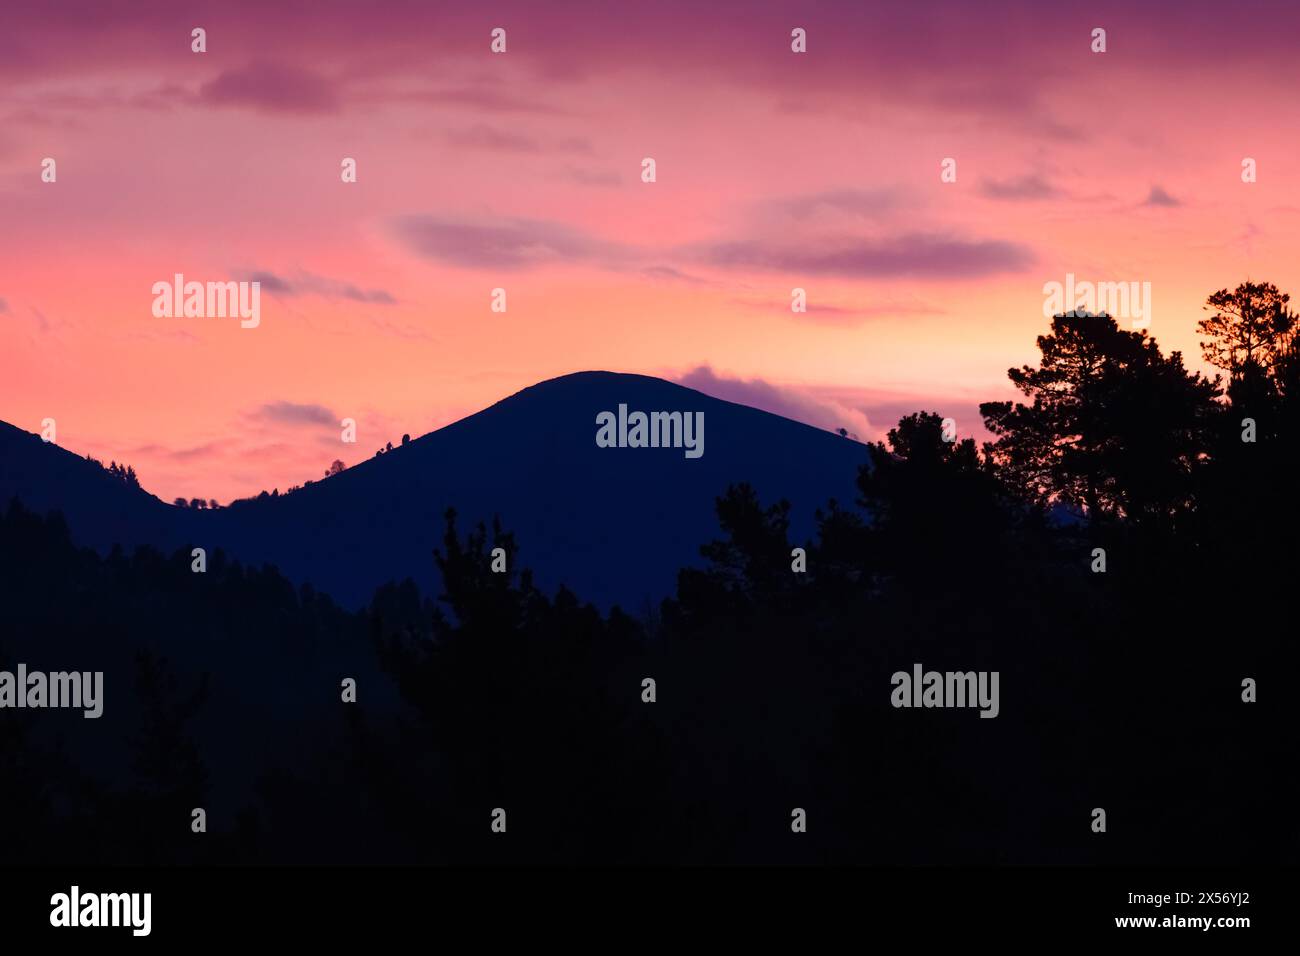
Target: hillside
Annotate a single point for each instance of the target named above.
(613, 524)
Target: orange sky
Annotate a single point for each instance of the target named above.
(522, 171)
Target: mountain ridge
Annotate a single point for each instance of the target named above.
(612, 524)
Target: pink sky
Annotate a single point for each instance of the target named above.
(522, 171)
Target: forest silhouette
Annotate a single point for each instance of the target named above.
(1121, 689)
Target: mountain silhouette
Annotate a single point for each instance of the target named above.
(612, 524)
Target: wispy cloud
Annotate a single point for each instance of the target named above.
(837, 204)
(593, 177)
(305, 283)
(1158, 197)
(1030, 186)
(294, 413)
(787, 401)
(670, 274)
(183, 336)
(528, 243)
(272, 88)
(192, 453)
(918, 255)
(503, 244)
(834, 314)
(480, 99)
(401, 330)
(482, 136)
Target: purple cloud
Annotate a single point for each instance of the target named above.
(576, 144)
(477, 99)
(784, 401)
(917, 255)
(593, 177)
(1158, 197)
(490, 138)
(294, 413)
(526, 243)
(1032, 186)
(304, 283)
(824, 313)
(933, 55)
(486, 137)
(838, 203)
(196, 452)
(669, 274)
(272, 88)
(270, 282)
(508, 244)
(178, 454)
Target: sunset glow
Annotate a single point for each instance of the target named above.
(522, 171)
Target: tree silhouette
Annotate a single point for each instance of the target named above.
(519, 690)
(1112, 426)
(123, 473)
(933, 504)
(1252, 324)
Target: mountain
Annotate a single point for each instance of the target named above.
(101, 509)
(612, 524)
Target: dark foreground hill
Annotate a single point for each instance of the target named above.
(612, 524)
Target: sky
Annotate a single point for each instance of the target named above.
(522, 171)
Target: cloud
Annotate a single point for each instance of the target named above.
(846, 204)
(270, 282)
(886, 410)
(527, 243)
(787, 402)
(196, 452)
(4, 307)
(507, 244)
(867, 412)
(1158, 197)
(294, 413)
(669, 274)
(305, 283)
(486, 137)
(163, 335)
(401, 330)
(477, 99)
(593, 177)
(178, 454)
(825, 313)
(272, 88)
(916, 255)
(1031, 186)
(927, 56)
(575, 144)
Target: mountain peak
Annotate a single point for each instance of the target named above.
(612, 523)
